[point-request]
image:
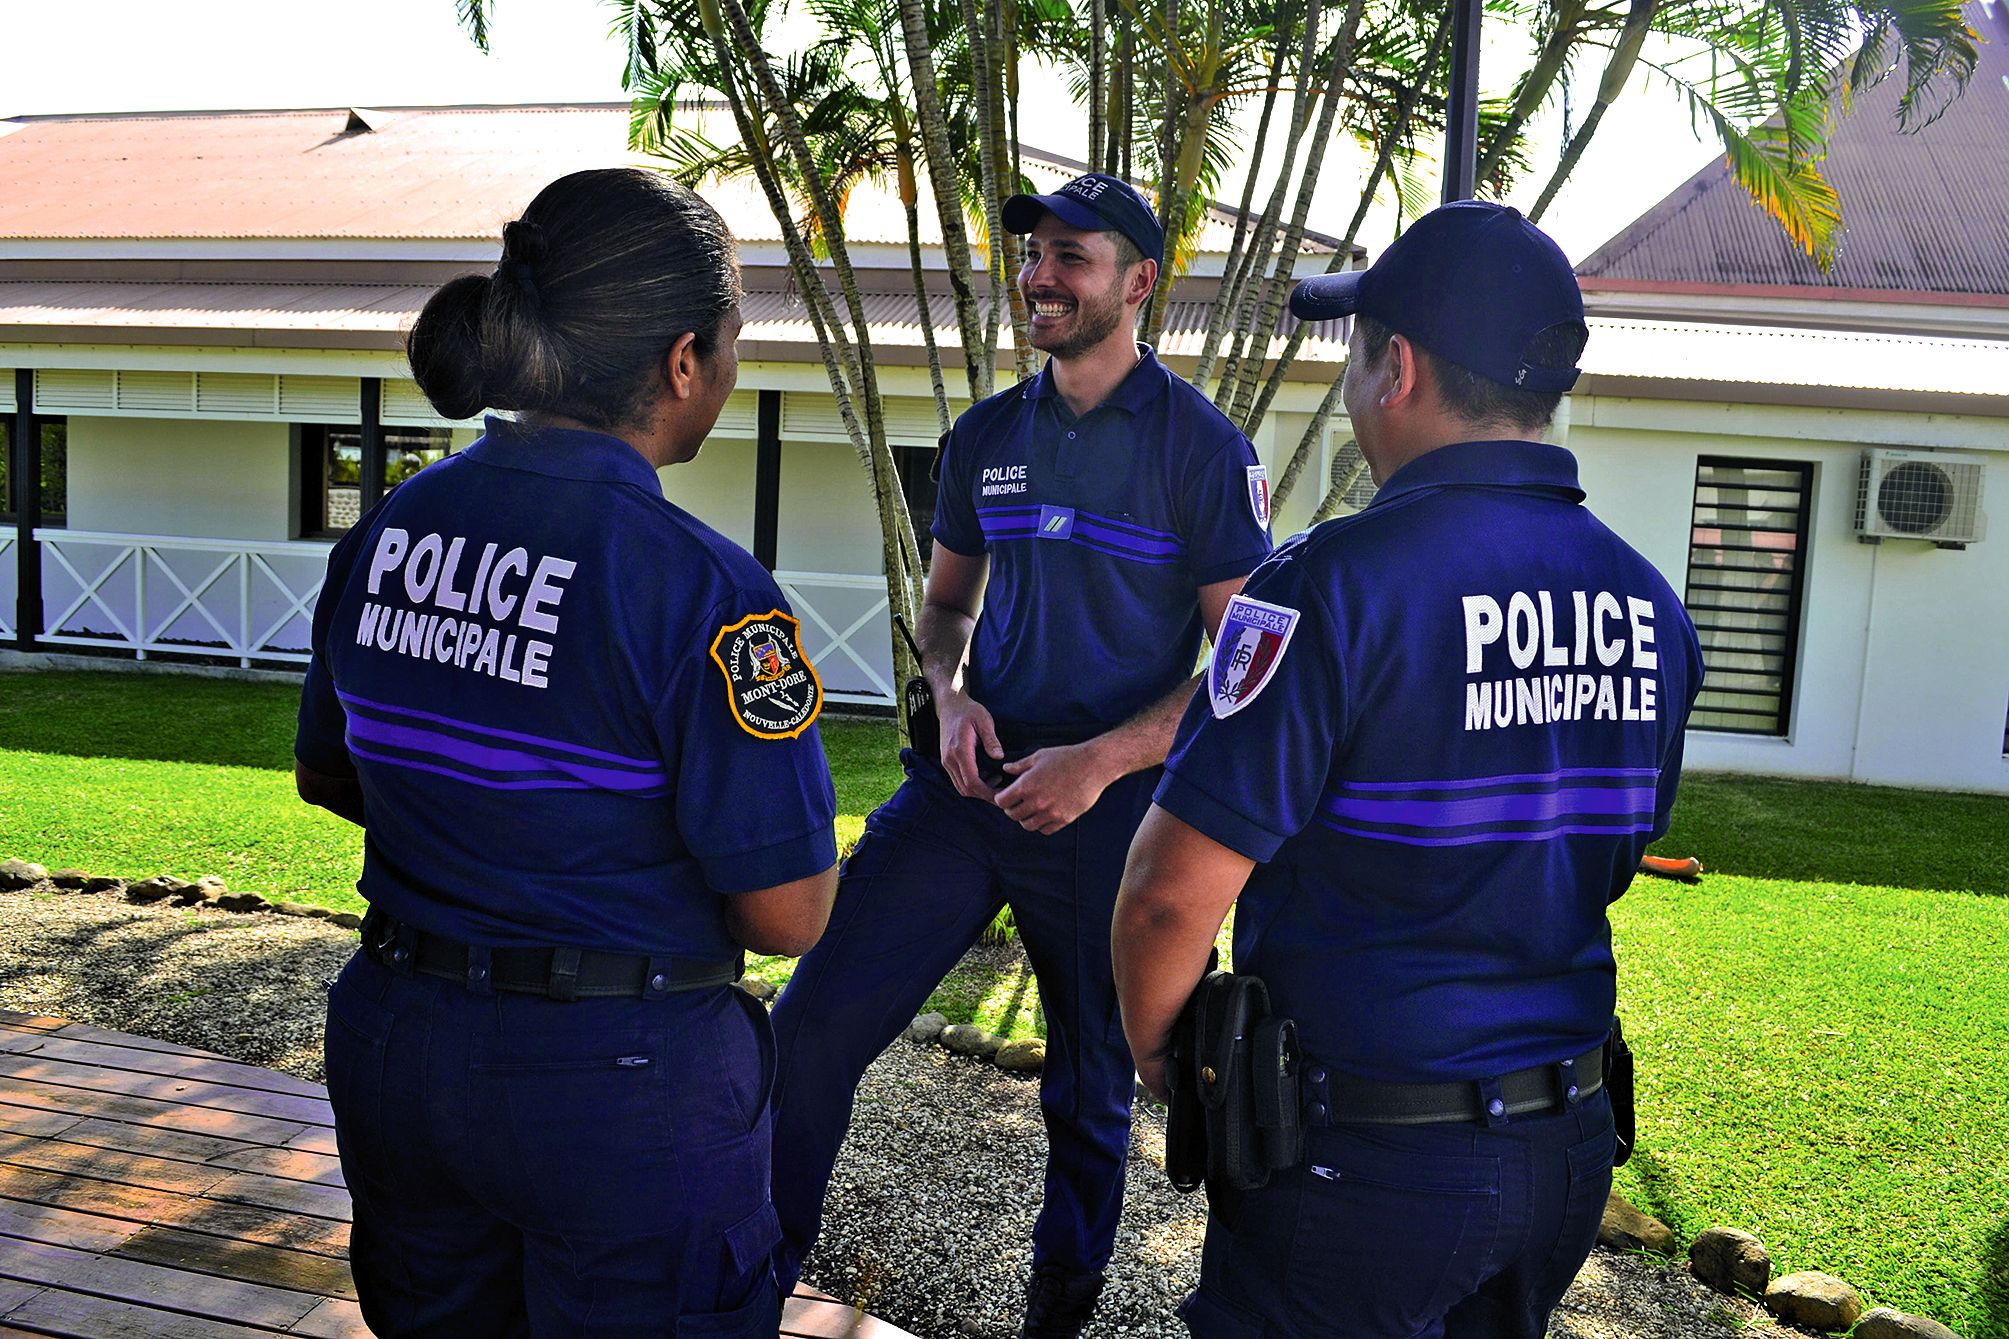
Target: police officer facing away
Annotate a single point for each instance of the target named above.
(543, 690)
(1434, 741)
(1091, 521)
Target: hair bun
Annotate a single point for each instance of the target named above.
(522, 242)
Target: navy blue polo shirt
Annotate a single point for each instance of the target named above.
(1448, 727)
(1100, 531)
(578, 715)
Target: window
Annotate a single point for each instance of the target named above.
(1746, 572)
(916, 465)
(331, 470)
(55, 470)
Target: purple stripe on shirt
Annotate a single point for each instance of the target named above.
(485, 783)
(350, 699)
(1094, 527)
(1516, 807)
(1474, 838)
(1513, 779)
(492, 759)
(1116, 523)
(1158, 560)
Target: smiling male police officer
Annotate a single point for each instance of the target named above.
(1112, 511)
(1435, 739)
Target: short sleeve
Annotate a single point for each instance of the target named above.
(1226, 506)
(320, 742)
(1250, 762)
(956, 525)
(737, 718)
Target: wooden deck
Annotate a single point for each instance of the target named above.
(149, 1190)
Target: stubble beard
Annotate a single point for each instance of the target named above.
(1094, 321)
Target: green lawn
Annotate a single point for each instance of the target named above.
(1822, 1022)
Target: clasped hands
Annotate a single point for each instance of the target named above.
(1044, 792)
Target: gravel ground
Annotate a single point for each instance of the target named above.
(934, 1197)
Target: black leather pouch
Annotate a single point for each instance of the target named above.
(1618, 1082)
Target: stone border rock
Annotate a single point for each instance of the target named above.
(1736, 1263)
(208, 891)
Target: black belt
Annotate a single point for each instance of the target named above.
(1332, 1098)
(555, 973)
(1020, 739)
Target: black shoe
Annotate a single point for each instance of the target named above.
(1058, 1302)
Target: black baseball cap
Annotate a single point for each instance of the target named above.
(1097, 202)
(1473, 282)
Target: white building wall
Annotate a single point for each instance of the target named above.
(218, 480)
(1902, 675)
(717, 487)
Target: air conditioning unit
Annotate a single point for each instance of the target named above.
(1928, 495)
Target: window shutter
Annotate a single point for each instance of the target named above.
(58, 389)
(1746, 571)
(321, 399)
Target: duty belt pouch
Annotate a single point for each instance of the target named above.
(1618, 1082)
(1186, 1122)
(1247, 1080)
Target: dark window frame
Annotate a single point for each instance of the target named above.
(56, 518)
(1706, 599)
(313, 441)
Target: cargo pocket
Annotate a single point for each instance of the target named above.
(1211, 1316)
(357, 1041)
(749, 1266)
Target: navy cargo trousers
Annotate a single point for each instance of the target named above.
(525, 1167)
(1455, 1231)
(930, 873)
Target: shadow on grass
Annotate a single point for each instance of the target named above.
(149, 718)
(1656, 1193)
(1837, 832)
(1993, 1309)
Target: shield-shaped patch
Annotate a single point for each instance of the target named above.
(771, 688)
(1254, 635)
(1259, 494)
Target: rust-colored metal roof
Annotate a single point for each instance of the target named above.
(401, 174)
(420, 174)
(1924, 213)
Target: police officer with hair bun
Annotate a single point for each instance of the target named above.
(1434, 741)
(546, 694)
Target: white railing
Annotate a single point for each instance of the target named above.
(153, 594)
(845, 631)
(171, 593)
(7, 601)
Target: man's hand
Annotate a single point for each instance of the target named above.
(1153, 1073)
(1054, 786)
(966, 727)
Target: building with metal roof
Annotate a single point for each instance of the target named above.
(1811, 457)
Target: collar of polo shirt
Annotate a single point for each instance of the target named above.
(563, 453)
(1132, 395)
(1503, 464)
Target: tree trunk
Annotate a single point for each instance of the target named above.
(1098, 110)
(1617, 70)
(944, 178)
(1217, 313)
(1307, 444)
(1535, 85)
(1383, 160)
(1328, 506)
(1256, 348)
(1257, 261)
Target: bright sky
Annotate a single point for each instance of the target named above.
(289, 53)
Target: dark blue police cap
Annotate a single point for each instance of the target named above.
(1097, 202)
(1472, 282)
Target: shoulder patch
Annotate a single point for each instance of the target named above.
(1259, 494)
(1254, 636)
(771, 688)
